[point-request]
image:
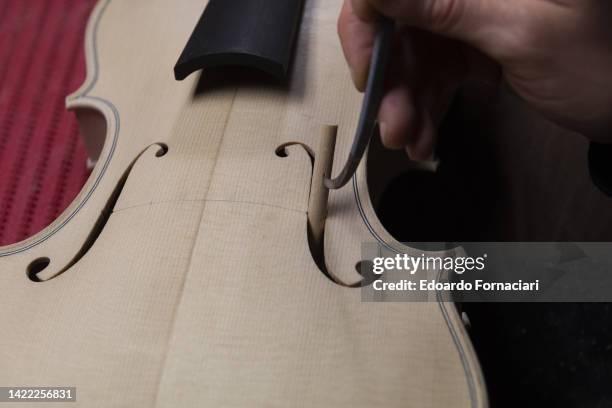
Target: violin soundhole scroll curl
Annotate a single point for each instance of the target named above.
(38, 270)
(37, 266)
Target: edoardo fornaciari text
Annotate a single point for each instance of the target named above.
(477, 285)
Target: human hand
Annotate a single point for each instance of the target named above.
(555, 54)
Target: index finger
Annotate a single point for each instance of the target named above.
(357, 33)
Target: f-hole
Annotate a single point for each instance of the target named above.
(40, 264)
(322, 162)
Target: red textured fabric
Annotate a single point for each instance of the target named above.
(42, 159)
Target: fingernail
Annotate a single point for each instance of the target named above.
(356, 79)
(409, 153)
(421, 154)
(384, 135)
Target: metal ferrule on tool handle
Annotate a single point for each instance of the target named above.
(371, 103)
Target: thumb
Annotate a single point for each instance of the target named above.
(481, 23)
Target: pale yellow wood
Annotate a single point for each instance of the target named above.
(319, 193)
(201, 289)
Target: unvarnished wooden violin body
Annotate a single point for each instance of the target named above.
(184, 273)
